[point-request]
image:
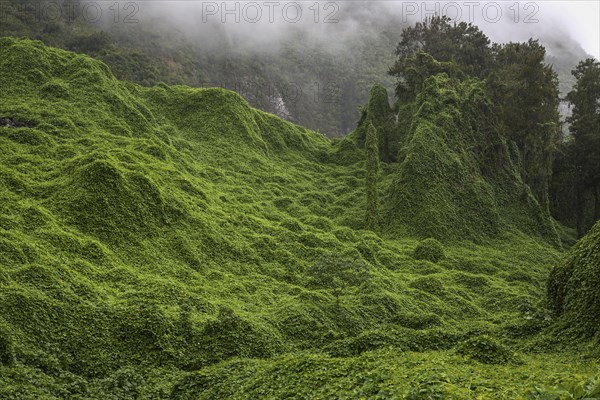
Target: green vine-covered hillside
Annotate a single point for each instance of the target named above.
(167, 242)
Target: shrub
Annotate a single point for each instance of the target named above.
(486, 350)
(430, 250)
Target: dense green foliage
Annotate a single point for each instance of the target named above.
(563, 193)
(521, 88)
(527, 90)
(585, 125)
(457, 176)
(175, 242)
(386, 375)
(574, 287)
(436, 46)
(576, 193)
(434, 152)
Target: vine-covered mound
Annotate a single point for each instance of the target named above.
(574, 286)
(440, 191)
(454, 174)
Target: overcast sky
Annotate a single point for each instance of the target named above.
(583, 21)
(578, 19)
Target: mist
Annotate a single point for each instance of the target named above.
(327, 54)
(262, 26)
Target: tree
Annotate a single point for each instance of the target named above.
(338, 273)
(526, 90)
(458, 49)
(377, 112)
(585, 127)
(563, 188)
(372, 166)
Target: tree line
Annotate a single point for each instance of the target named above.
(562, 170)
